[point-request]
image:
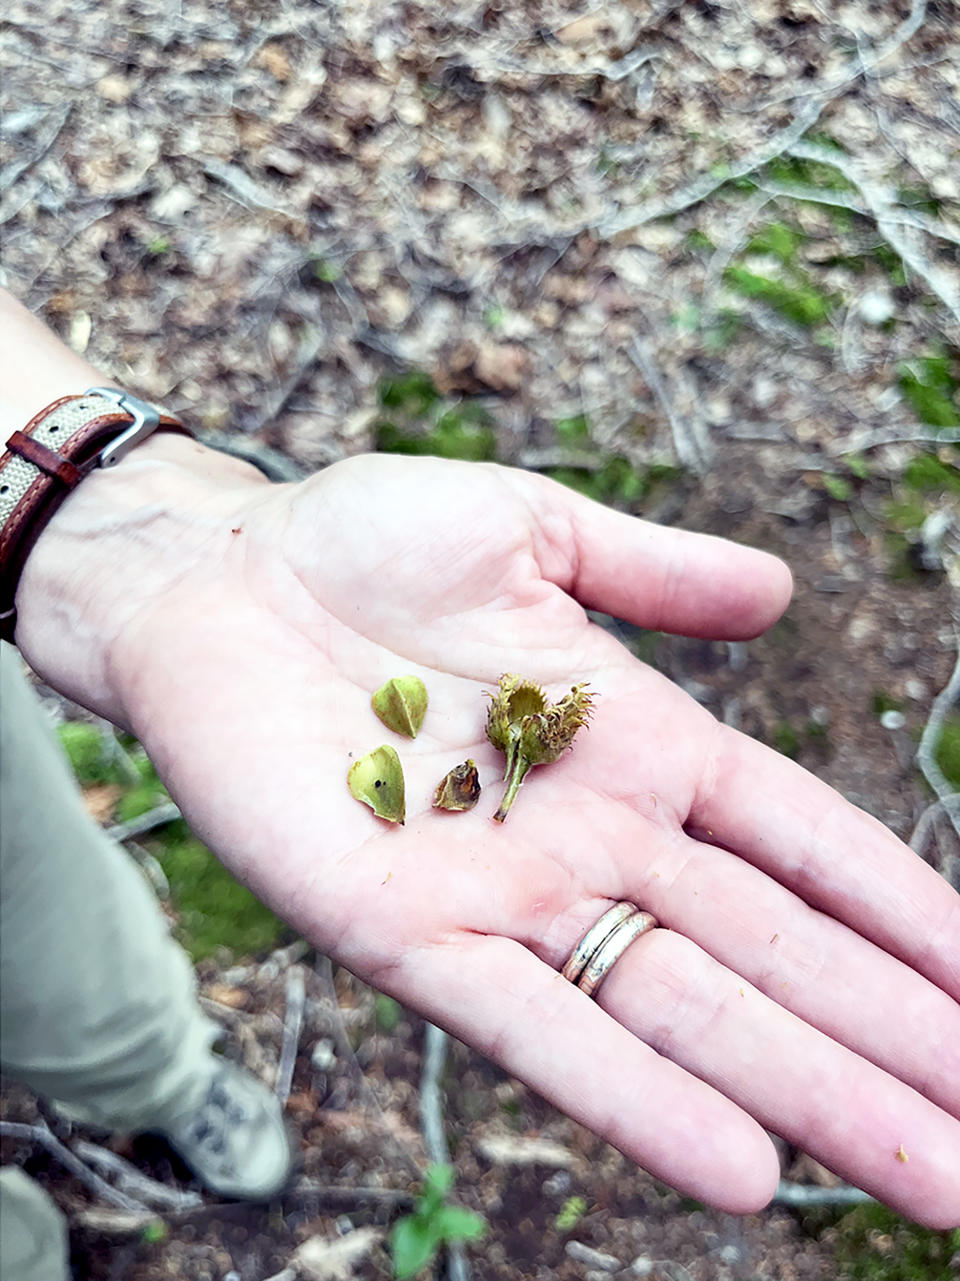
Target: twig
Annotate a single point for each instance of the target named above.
(42, 1135)
(292, 1026)
(929, 741)
(310, 349)
(885, 214)
(946, 863)
(346, 1053)
(129, 1179)
(431, 1122)
(17, 168)
(706, 184)
(880, 436)
(803, 1194)
(157, 817)
(693, 447)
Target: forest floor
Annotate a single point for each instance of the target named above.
(700, 261)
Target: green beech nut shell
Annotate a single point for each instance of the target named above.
(401, 704)
(377, 780)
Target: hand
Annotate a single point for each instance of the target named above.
(807, 972)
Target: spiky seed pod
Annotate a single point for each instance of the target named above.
(530, 731)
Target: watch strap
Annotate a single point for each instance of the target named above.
(44, 461)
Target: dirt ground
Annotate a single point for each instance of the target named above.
(259, 213)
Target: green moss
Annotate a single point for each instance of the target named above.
(797, 301)
(461, 432)
(928, 474)
(905, 515)
(214, 910)
(808, 173)
(948, 749)
(413, 392)
(874, 1244)
(929, 385)
(777, 239)
(699, 240)
(573, 431)
(88, 752)
(617, 481)
(786, 739)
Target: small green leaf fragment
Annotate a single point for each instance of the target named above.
(402, 704)
(377, 780)
(459, 789)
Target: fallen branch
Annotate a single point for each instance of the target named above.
(42, 1134)
(946, 863)
(694, 450)
(129, 1179)
(930, 739)
(885, 214)
(159, 816)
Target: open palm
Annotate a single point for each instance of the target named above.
(806, 975)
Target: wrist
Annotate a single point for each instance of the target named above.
(116, 550)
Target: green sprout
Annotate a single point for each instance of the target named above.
(416, 1237)
(531, 731)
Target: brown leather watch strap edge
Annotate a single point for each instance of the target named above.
(57, 472)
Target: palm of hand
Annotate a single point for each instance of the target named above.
(383, 566)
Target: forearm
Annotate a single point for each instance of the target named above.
(120, 539)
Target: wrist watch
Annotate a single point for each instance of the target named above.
(42, 463)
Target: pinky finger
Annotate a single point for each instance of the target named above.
(542, 1029)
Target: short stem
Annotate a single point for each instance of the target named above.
(517, 774)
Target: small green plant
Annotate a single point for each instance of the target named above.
(838, 487)
(325, 271)
(948, 750)
(154, 1232)
(571, 1212)
(88, 752)
(786, 739)
(574, 430)
(462, 430)
(387, 1012)
(881, 702)
(416, 1238)
(413, 392)
(928, 474)
(158, 246)
(930, 386)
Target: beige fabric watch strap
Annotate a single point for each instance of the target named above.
(47, 459)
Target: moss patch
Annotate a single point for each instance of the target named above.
(930, 387)
(423, 424)
(874, 1244)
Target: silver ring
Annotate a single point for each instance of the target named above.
(611, 949)
(593, 938)
(604, 943)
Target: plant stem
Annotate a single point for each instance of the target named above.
(517, 773)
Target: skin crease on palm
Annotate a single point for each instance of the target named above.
(807, 975)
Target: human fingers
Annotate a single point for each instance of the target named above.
(837, 858)
(495, 994)
(806, 961)
(861, 1122)
(665, 579)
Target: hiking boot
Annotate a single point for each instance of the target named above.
(235, 1141)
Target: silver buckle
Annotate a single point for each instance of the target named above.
(145, 420)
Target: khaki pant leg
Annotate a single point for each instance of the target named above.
(33, 1232)
(97, 1003)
